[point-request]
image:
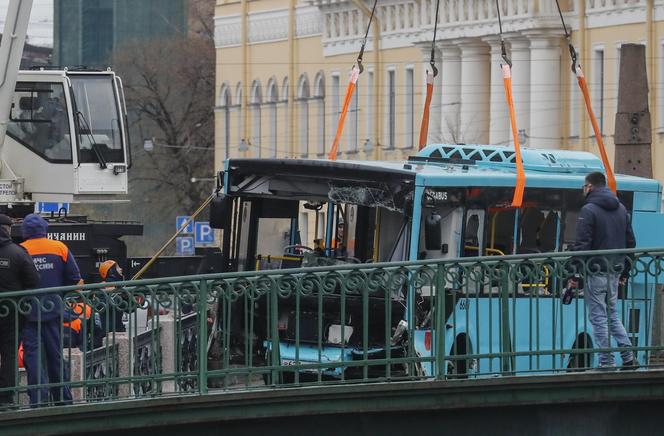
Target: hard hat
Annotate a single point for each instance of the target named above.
(105, 267)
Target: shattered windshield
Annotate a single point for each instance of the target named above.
(370, 196)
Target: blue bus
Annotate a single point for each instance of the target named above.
(446, 203)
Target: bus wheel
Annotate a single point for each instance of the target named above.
(456, 366)
(580, 361)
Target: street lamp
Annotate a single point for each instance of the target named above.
(523, 137)
(368, 145)
(243, 145)
(202, 179)
(148, 144)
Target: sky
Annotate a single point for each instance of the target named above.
(40, 30)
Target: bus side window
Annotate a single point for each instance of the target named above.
(500, 239)
(529, 223)
(538, 231)
(569, 237)
(549, 231)
(451, 226)
(473, 237)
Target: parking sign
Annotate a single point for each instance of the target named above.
(204, 235)
(184, 246)
(180, 220)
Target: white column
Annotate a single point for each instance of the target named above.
(545, 91)
(475, 92)
(521, 85)
(435, 111)
(450, 93)
(499, 123)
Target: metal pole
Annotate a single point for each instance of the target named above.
(11, 50)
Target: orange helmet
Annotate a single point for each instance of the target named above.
(105, 267)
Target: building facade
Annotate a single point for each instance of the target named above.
(282, 71)
(87, 31)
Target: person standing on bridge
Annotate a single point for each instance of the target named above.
(604, 224)
(56, 267)
(17, 273)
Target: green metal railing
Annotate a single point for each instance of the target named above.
(464, 318)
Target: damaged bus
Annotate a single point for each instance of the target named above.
(447, 203)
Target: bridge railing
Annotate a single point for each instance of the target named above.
(472, 317)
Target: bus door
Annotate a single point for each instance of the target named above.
(535, 312)
(266, 230)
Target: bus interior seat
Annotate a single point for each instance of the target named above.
(291, 261)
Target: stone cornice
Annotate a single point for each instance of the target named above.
(404, 23)
(266, 26)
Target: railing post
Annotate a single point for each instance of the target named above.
(202, 337)
(440, 322)
(505, 347)
(167, 349)
(121, 340)
(275, 360)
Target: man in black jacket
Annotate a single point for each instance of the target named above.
(604, 224)
(17, 272)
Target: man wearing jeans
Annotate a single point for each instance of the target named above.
(604, 224)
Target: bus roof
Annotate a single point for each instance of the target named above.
(453, 165)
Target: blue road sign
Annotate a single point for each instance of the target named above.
(179, 221)
(204, 235)
(46, 207)
(184, 246)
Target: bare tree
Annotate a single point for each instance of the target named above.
(169, 86)
(170, 92)
(201, 18)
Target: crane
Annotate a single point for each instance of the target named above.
(63, 131)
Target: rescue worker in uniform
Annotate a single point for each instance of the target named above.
(17, 273)
(111, 317)
(73, 330)
(56, 267)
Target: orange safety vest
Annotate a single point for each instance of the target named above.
(79, 309)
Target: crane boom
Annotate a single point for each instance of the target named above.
(11, 50)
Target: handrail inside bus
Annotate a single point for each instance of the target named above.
(487, 250)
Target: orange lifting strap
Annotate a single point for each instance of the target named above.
(424, 127)
(520, 186)
(517, 200)
(610, 177)
(354, 75)
(581, 78)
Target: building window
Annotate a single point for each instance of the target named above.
(256, 100)
(354, 114)
(285, 89)
(369, 106)
(240, 118)
(272, 100)
(598, 86)
(574, 109)
(660, 89)
(391, 108)
(410, 108)
(319, 95)
(336, 108)
(225, 109)
(303, 103)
